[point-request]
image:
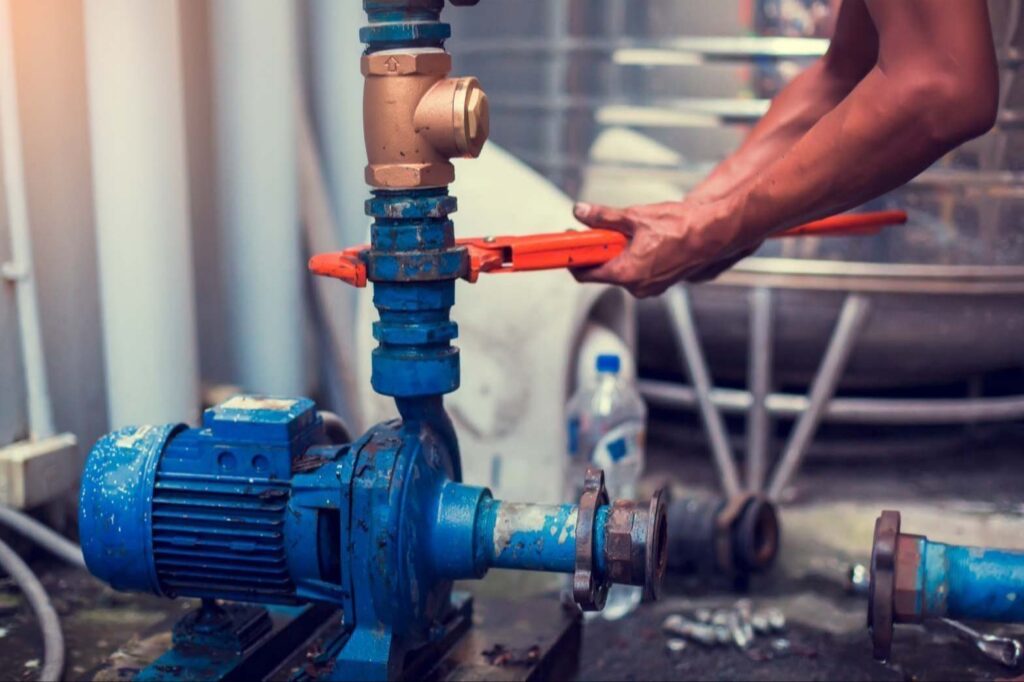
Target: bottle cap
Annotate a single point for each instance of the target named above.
(609, 363)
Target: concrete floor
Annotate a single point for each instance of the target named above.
(969, 496)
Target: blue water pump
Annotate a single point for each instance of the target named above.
(257, 506)
(261, 506)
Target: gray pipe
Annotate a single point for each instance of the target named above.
(256, 83)
(20, 269)
(49, 623)
(43, 536)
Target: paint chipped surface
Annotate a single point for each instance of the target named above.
(130, 438)
(517, 518)
(569, 528)
(248, 402)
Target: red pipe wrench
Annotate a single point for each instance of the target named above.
(578, 248)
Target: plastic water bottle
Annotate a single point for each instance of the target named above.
(607, 420)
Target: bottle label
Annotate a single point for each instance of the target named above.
(574, 437)
(624, 442)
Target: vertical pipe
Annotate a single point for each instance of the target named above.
(337, 98)
(760, 379)
(20, 269)
(139, 177)
(851, 322)
(256, 74)
(334, 160)
(555, 81)
(683, 324)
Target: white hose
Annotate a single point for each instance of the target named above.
(43, 536)
(53, 638)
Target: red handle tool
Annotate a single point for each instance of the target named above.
(578, 249)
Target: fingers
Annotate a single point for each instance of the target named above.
(601, 274)
(622, 271)
(595, 215)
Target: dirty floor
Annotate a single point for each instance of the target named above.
(970, 496)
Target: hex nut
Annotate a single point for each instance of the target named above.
(472, 117)
(406, 64)
(625, 556)
(410, 175)
(908, 594)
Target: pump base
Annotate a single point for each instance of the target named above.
(493, 639)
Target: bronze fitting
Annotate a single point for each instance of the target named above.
(415, 119)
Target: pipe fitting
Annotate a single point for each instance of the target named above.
(734, 537)
(634, 547)
(914, 579)
(416, 118)
(626, 539)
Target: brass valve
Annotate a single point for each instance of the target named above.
(416, 118)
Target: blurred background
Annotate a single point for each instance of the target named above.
(173, 164)
(168, 166)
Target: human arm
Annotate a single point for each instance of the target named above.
(934, 85)
(852, 52)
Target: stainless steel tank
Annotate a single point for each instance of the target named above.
(625, 101)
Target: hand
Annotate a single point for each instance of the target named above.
(669, 242)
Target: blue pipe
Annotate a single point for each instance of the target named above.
(971, 583)
(529, 537)
(474, 533)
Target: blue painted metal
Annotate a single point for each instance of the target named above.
(256, 507)
(970, 583)
(413, 262)
(404, 24)
(207, 641)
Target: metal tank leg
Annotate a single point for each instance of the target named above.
(851, 323)
(677, 300)
(759, 382)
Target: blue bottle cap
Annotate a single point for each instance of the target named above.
(609, 363)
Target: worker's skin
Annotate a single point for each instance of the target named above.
(903, 82)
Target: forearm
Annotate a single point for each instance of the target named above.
(793, 112)
(888, 130)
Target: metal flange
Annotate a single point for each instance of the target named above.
(656, 550)
(883, 583)
(588, 589)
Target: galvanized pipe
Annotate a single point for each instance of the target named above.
(678, 302)
(759, 381)
(20, 270)
(846, 410)
(851, 322)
